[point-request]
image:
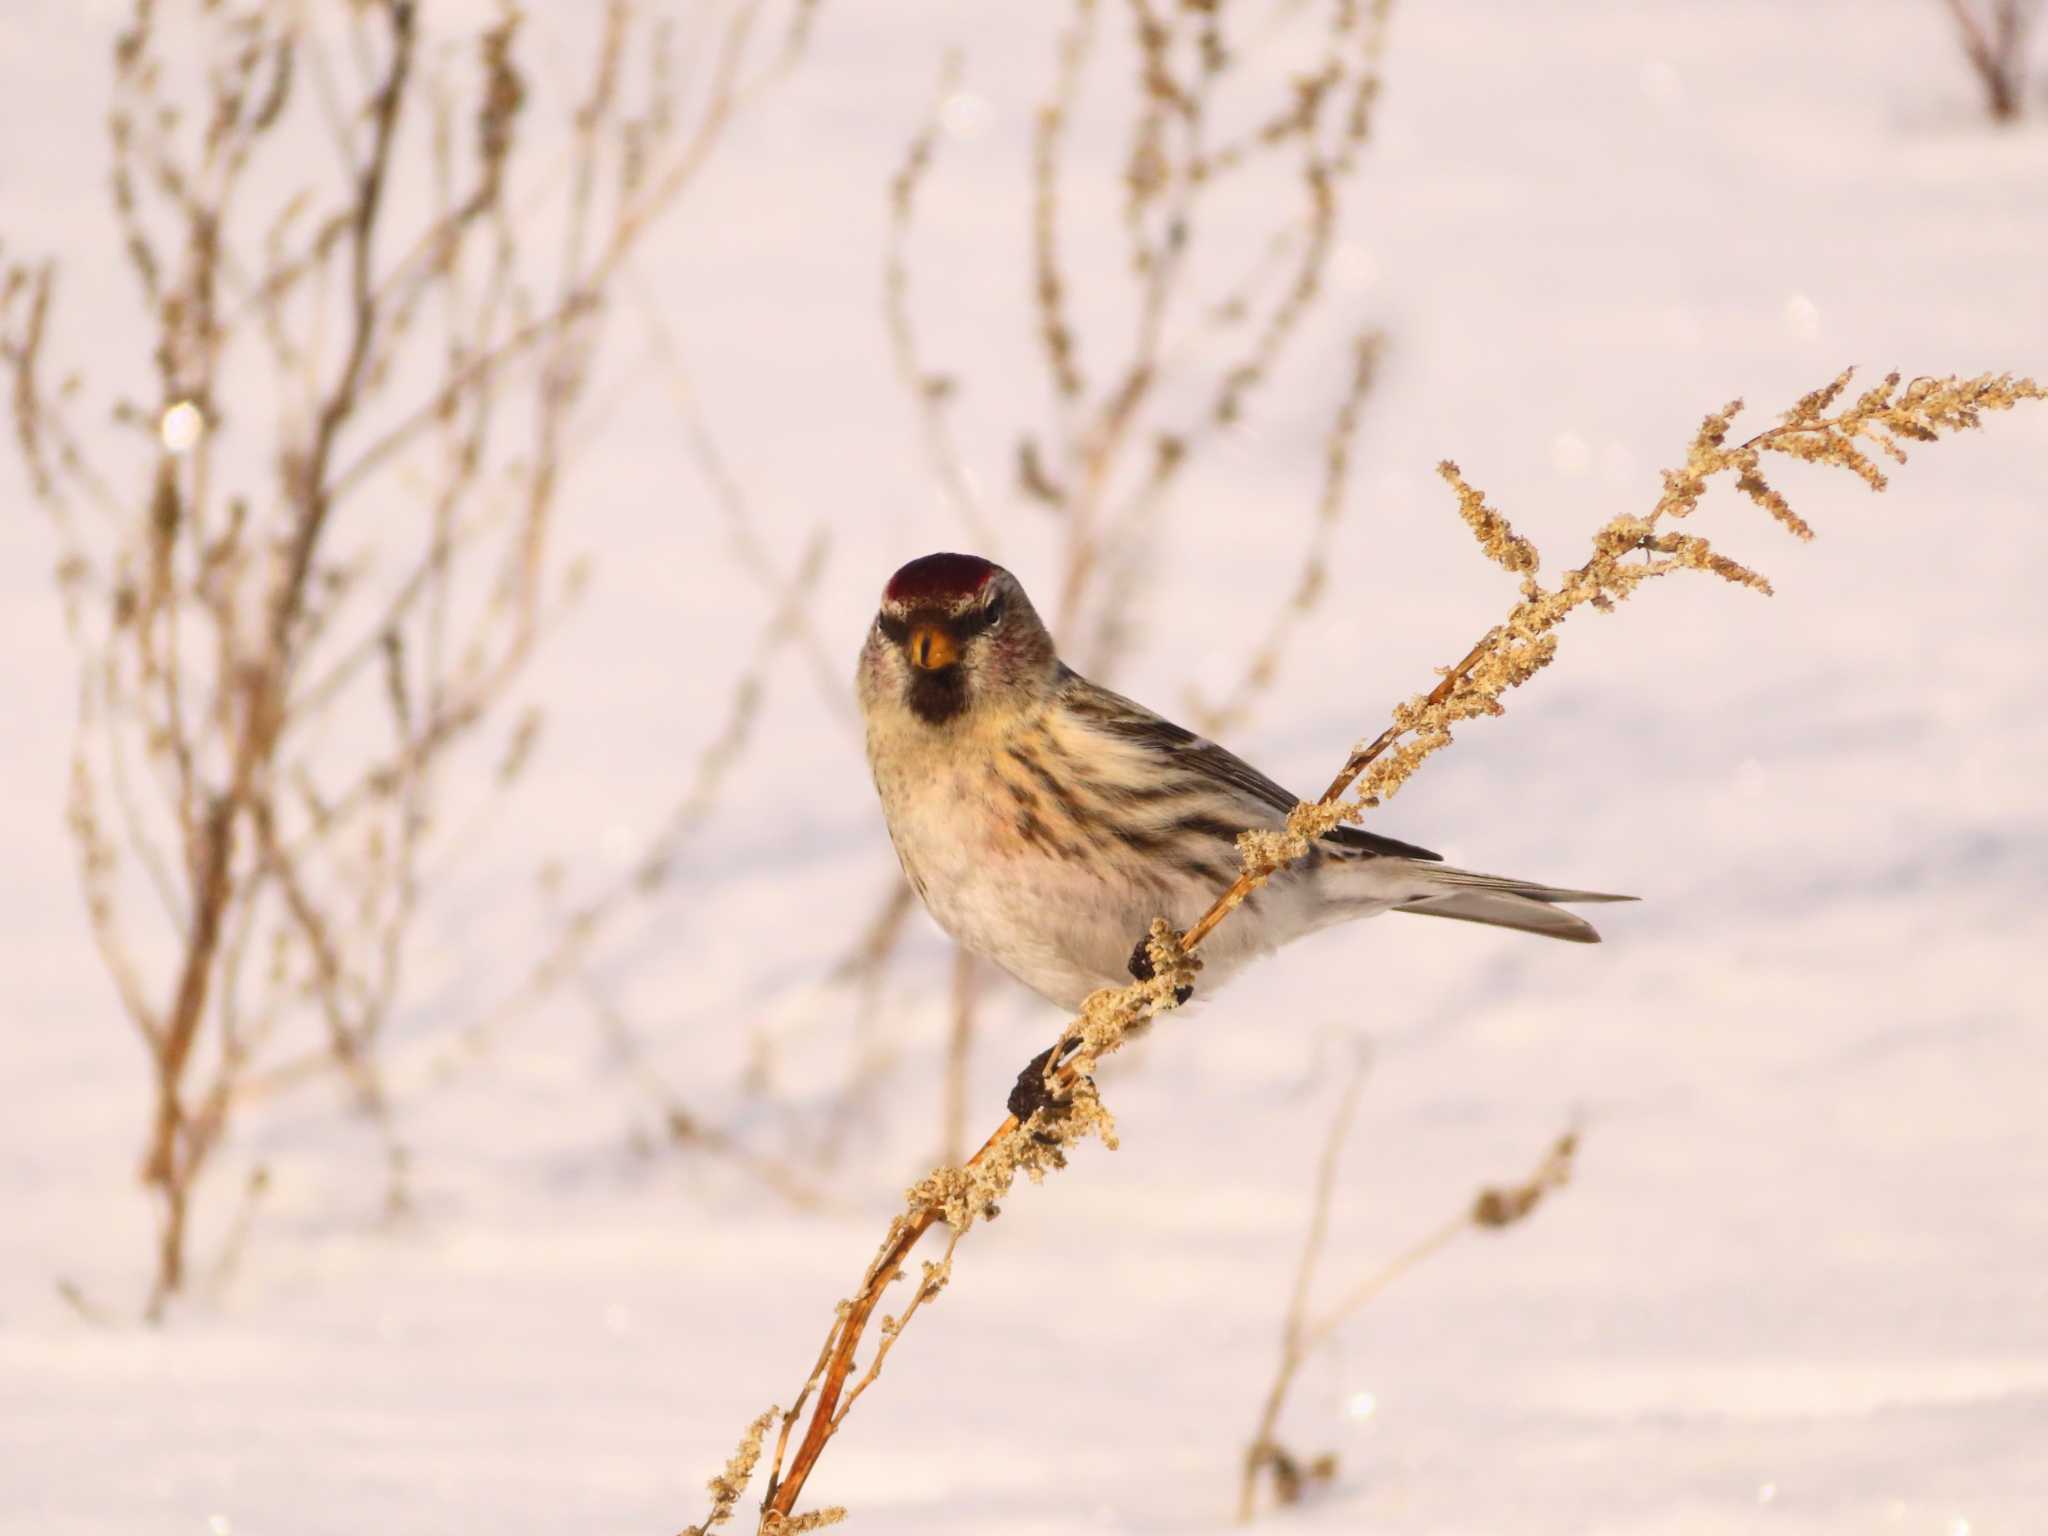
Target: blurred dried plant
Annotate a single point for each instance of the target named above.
(307, 572)
(1493, 1209)
(566, 962)
(1629, 550)
(581, 926)
(1995, 35)
(653, 870)
(1242, 129)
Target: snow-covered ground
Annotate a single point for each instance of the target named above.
(1801, 1281)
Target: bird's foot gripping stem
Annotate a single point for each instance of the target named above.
(1141, 966)
(1032, 1094)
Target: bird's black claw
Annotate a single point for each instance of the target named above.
(1030, 1094)
(1140, 963)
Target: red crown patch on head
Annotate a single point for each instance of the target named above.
(938, 579)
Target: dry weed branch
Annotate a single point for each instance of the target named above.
(1506, 656)
(756, 558)
(654, 867)
(1994, 35)
(307, 570)
(1492, 1209)
(959, 1051)
(1219, 719)
(929, 392)
(683, 1126)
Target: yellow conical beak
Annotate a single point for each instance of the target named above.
(931, 648)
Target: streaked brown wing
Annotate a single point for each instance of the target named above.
(1133, 722)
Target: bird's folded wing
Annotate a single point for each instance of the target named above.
(1132, 722)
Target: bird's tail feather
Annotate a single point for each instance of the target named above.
(1466, 897)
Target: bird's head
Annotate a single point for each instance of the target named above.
(955, 635)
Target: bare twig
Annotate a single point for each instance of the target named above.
(1263, 1450)
(929, 392)
(227, 607)
(1492, 1209)
(1264, 668)
(755, 557)
(682, 1125)
(1994, 36)
(959, 1051)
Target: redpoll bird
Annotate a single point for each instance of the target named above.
(1045, 821)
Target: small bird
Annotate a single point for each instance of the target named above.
(1045, 822)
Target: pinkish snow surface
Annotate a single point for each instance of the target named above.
(1801, 1283)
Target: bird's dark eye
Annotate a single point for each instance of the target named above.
(893, 629)
(982, 618)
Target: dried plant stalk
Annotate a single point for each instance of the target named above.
(1219, 719)
(959, 1052)
(315, 561)
(1115, 451)
(1492, 1209)
(929, 392)
(1265, 1452)
(1508, 655)
(1995, 35)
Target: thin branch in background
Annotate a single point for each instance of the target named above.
(583, 926)
(866, 966)
(654, 867)
(930, 392)
(1286, 1470)
(1263, 670)
(1049, 284)
(683, 1126)
(959, 1056)
(742, 525)
(1627, 551)
(1114, 452)
(725, 100)
(1114, 471)
(229, 1259)
(1995, 35)
(1303, 1332)
(88, 1311)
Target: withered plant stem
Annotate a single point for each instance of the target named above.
(217, 605)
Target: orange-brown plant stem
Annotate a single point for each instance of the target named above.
(1354, 765)
(846, 1333)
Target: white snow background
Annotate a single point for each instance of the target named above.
(1800, 1283)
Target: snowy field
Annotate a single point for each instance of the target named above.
(1800, 1283)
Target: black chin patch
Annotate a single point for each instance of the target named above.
(938, 696)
